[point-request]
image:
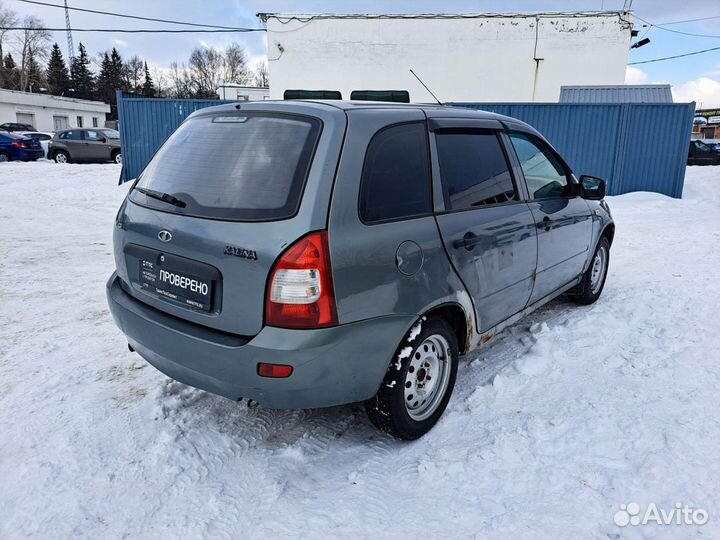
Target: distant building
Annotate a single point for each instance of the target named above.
(516, 57)
(706, 124)
(621, 93)
(50, 113)
(243, 93)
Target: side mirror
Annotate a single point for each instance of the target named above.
(102, 139)
(592, 188)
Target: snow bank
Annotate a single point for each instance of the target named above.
(565, 417)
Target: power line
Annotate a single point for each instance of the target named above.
(673, 57)
(659, 27)
(137, 17)
(138, 31)
(689, 20)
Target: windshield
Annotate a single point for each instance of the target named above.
(245, 167)
(111, 133)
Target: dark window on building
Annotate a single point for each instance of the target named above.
(396, 177)
(474, 170)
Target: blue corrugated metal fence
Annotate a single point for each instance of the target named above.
(635, 147)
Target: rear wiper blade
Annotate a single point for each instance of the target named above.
(164, 197)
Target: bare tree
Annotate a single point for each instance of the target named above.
(162, 82)
(206, 67)
(133, 71)
(181, 83)
(8, 19)
(210, 67)
(235, 65)
(262, 75)
(32, 47)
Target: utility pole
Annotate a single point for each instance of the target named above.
(71, 48)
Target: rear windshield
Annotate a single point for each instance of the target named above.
(244, 167)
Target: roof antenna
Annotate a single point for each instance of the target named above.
(426, 88)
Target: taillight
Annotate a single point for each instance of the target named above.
(300, 291)
(17, 145)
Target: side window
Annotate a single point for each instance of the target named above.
(91, 135)
(396, 175)
(545, 176)
(473, 169)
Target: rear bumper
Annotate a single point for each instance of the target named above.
(332, 366)
(29, 155)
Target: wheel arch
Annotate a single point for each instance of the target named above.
(609, 232)
(461, 323)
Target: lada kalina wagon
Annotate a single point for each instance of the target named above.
(307, 254)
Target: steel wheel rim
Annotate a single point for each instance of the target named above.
(118, 159)
(61, 158)
(427, 377)
(597, 271)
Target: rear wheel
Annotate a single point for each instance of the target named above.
(117, 157)
(418, 383)
(4, 157)
(61, 157)
(593, 280)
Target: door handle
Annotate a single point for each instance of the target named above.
(468, 241)
(546, 223)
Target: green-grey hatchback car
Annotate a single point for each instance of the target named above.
(309, 254)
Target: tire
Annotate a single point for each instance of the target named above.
(4, 157)
(593, 281)
(61, 157)
(406, 406)
(117, 157)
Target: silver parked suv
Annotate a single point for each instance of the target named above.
(85, 144)
(308, 254)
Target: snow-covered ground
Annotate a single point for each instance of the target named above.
(568, 415)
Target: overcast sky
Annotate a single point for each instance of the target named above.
(693, 78)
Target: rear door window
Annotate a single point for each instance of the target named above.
(396, 175)
(71, 135)
(244, 167)
(473, 170)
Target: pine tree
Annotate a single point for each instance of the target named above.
(105, 90)
(148, 88)
(11, 74)
(116, 71)
(81, 76)
(35, 76)
(58, 78)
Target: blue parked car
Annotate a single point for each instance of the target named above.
(14, 147)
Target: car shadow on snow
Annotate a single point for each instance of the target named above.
(195, 412)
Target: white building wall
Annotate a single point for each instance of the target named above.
(46, 110)
(243, 93)
(471, 58)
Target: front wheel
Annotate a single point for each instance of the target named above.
(593, 280)
(117, 158)
(419, 382)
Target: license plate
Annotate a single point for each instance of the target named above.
(174, 284)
